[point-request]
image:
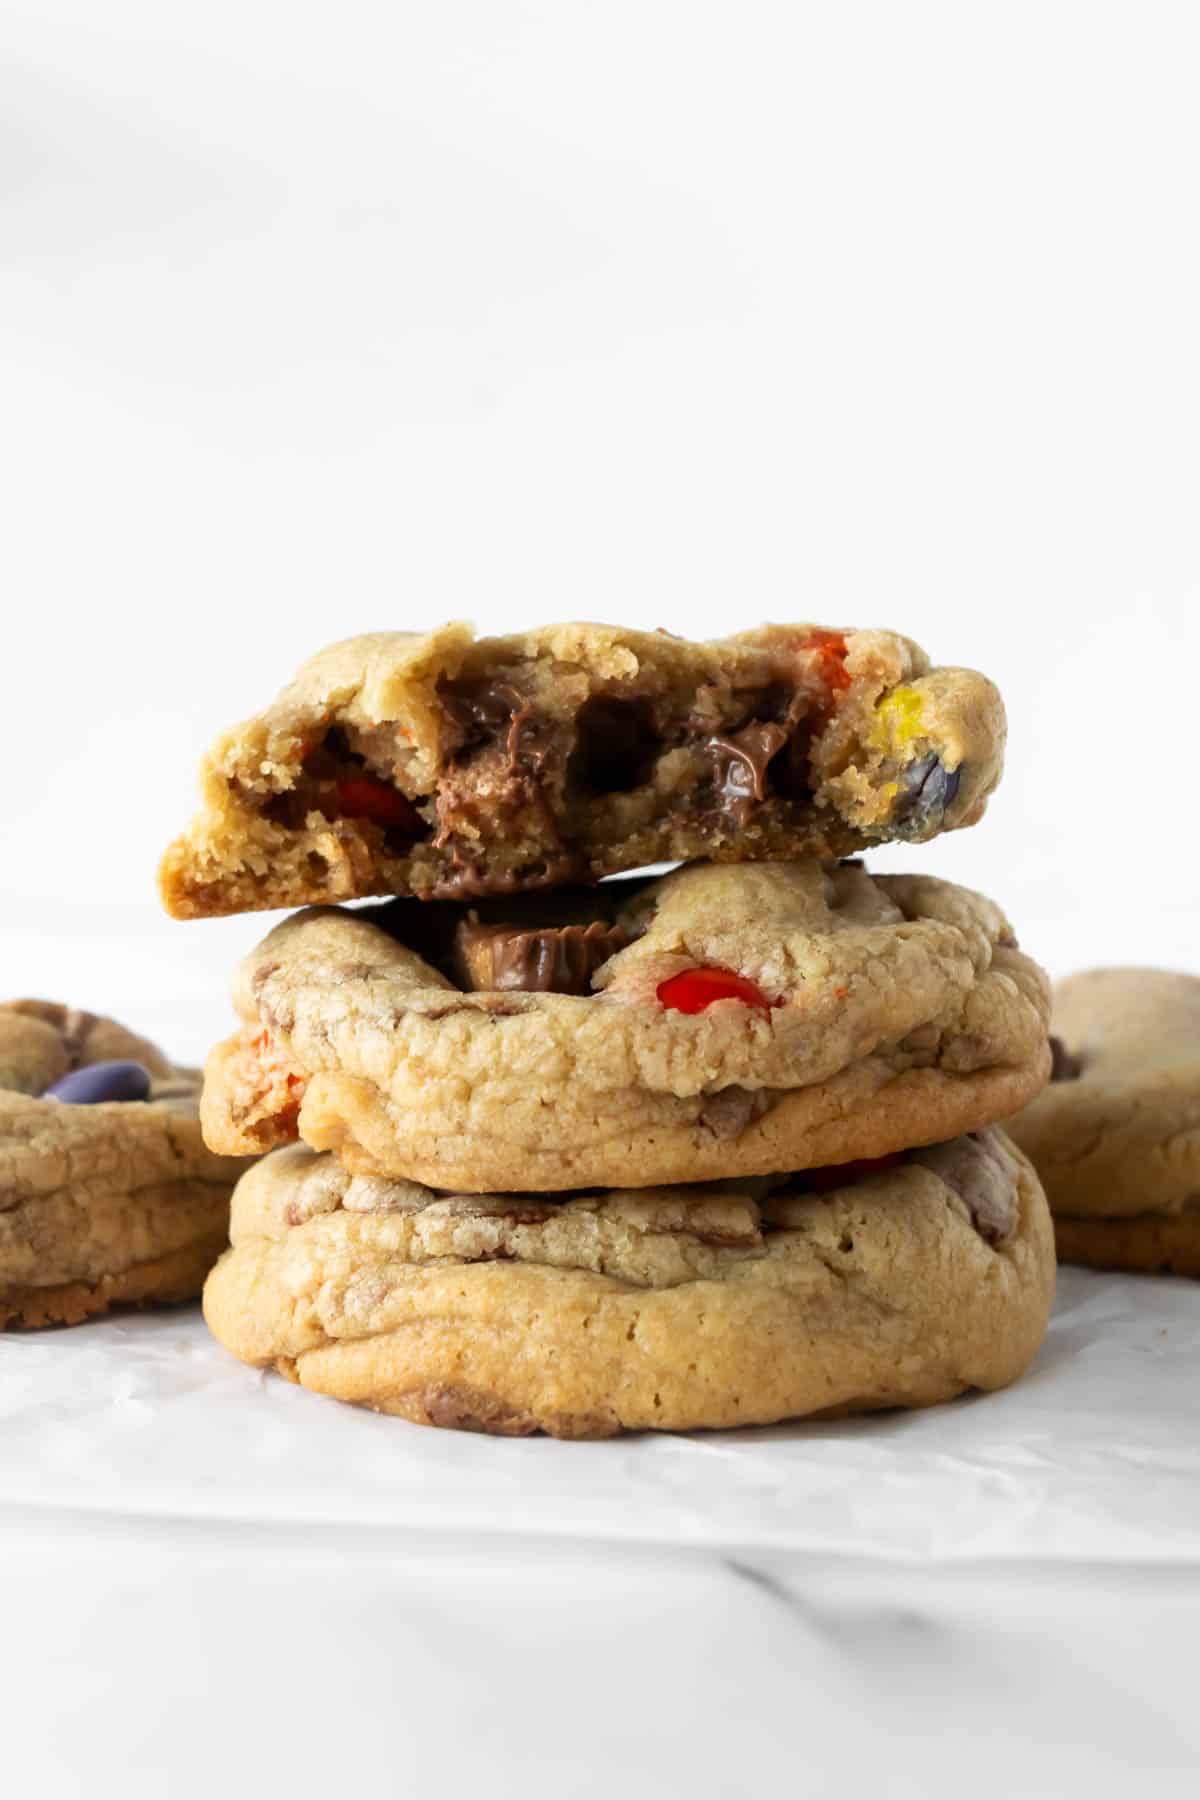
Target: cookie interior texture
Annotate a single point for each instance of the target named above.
(1116, 1139)
(115, 1203)
(444, 766)
(894, 1011)
(737, 1303)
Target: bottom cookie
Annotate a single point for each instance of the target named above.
(1167, 1244)
(160, 1281)
(735, 1303)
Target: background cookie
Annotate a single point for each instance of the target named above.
(742, 1020)
(441, 765)
(1116, 1136)
(667, 1308)
(105, 1202)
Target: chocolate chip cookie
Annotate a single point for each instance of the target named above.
(719, 1022)
(447, 767)
(107, 1192)
(1116, 1137)
(669, 1308)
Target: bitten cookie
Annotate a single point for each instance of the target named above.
(719, 1022)
(444, 766)
(1116, 1137)
(666, 1308)
(107, 1193)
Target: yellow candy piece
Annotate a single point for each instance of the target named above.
(898, 719)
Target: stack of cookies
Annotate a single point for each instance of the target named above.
(560, 1146)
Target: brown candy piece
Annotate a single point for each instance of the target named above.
(984, 1176)
(534, 959)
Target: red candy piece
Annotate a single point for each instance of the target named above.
(362, 797)
(694, 989)
(830, 647)
(842, 1174)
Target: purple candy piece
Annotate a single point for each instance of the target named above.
(101, 1081)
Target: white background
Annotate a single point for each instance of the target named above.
(319, 319)
(322, 318)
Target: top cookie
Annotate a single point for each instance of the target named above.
(444, 766)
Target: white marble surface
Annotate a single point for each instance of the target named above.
(211, 1578)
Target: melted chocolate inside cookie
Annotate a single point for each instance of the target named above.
(616, 746)
(496, 773)
(741, 763)
(534, 785)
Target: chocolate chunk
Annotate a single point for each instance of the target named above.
(1064, 1066)
(483, 712)
(466, 1409)
(984, 1177)
(740, 762)
(779, 704)
(100, 1082)
(498, 745)
(545, 959)
(927, 790)
(291, 808)
(330, 758)
(616, 745)
(728, 1112)
(779, 736)
(478, 710)
(469, 877)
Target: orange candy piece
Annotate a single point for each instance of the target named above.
(362, 797)
(830, 647)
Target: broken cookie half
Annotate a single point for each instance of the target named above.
(444, 766)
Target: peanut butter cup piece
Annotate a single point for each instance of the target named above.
(546, 959)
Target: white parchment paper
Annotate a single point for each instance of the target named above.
(1095, 1454)
(214, 1582)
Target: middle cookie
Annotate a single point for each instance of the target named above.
(718, 1022)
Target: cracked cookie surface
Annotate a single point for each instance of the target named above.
(853, 1016)
(671, 1308)
(446, 766)
(104, 1204)
(1116, 1136)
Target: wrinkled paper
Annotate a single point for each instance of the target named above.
(1095, 1454)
